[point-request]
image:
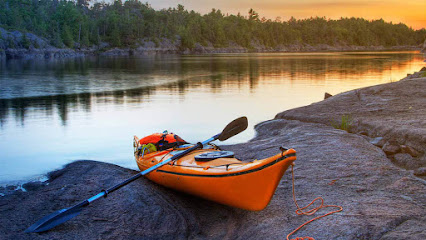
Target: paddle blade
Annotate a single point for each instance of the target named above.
(53, 220)
(233, 128)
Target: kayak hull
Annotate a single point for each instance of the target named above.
(227, 181)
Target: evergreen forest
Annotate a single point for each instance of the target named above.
(122, 24)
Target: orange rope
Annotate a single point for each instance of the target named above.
(299, 211)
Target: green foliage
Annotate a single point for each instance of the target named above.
(187, 39)
(156, 42)
(423, 74)
(57, 40)
(25, 42)
(344, 123)
(66, 36)
(115, 37)
(85, 40)
(125, 23)
(10, 42)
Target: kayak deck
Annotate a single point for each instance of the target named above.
(229, 181)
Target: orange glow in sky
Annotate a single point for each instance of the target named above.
(410, 12)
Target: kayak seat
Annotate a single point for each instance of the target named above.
(208, 156)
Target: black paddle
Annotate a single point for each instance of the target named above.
(61, 216)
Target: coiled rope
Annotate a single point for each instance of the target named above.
(299, 211)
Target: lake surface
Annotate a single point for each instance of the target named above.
(55, 112)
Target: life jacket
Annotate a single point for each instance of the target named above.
(163, 140)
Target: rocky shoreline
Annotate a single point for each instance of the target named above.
(16, 45)
(390, 116)
(362, 169)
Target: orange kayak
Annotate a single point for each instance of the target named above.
(218, 176)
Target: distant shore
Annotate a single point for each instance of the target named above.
(39, 48)
(59, 53)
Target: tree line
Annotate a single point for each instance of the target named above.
(123, 24)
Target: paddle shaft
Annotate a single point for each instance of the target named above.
(105, 193)
(63, 215)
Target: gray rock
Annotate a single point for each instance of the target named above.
(13, 47)
(391, 147)
(14, 39)
(378, 141)
(116, 52)
(32, 186)
(327, 95)
(55, 174)
(407, 149)
(392, 111)
(420, 171)
(7, 190)
(405, 160)
(364, 133)
(405, 226)
(103, 45)
(367, 138)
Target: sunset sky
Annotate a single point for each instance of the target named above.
(410, 12)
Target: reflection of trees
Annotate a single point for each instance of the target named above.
(65, 103)
(212, 72)
(4, 109)
(253, 73)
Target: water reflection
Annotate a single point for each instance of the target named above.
(220, 70)
(84, 100)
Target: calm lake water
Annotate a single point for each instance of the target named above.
(55, 112)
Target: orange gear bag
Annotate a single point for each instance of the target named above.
(163, 140)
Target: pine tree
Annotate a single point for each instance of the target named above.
(67, 36)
